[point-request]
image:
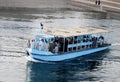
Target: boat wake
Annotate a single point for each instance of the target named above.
(31, 59)
(10, 55)
(11, 51)
(116, 44)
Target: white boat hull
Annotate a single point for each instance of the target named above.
(49, 57)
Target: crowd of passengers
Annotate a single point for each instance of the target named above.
(60, 44)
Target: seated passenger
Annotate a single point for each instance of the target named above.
(56, 39)
(51, 46)
(56, 49)
(75, 39)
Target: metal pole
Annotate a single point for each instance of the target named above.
(73, 43)
(64, 45)
(76, 44)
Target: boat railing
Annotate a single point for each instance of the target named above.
(71, 44)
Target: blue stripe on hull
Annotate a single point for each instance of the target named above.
(65, 56)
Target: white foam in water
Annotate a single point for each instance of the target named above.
(30, 59)
(116, 44)
(33, 60)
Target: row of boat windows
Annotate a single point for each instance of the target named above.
(74, 40)
(77, 43)
(79, 40)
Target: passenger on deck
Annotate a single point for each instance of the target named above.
(94, 40)
(75, 39)
(56, 39)
(56, 49)
(101, 40)
(46, 46)
(32, 43)
(51, 46)
(101, 37)
(41, 46)
(61, 43)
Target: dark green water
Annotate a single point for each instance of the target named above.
(17, 28)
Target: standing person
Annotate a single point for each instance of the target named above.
(96, 2)
(56, 39)
(47, 46)
(99, 2)
(41, 45)
(32, 44)
(56, 49)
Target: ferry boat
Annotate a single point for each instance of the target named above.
(53, 45)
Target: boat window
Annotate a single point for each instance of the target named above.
(83, 46)
(70, 40)
(75, 40)
(84, 36)
(79, 39)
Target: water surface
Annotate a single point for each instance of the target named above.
(16, 29)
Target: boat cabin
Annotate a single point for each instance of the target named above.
(65, 40)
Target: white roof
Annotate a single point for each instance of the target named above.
(45, 36)
(67, 32)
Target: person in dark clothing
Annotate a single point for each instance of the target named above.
(94, 40)
(56, 39)
(61, 43)
(97, 2)
(51, 46)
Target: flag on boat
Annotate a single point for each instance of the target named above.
(41, 25)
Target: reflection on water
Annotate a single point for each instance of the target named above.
(17, 28)
(61, 72)
(79, 69)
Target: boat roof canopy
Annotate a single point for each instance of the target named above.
(68, 32)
